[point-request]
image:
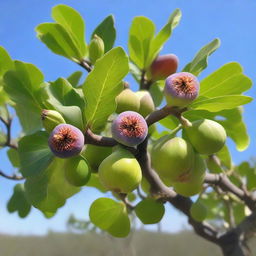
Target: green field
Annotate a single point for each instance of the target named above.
(140, 243)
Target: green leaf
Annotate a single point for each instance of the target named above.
(169, 122)
(102, 85)
(49, 189)
(95, 183)
(6, 62)
(3, 139)
(34, 154)
(156, 91)
(149, 211)
(227, 80)
(200, 61)
(18, 202)
(135, 72)
(23, 85)
(4, 113)
(13, 156)
(59, 41)
(62, 97)
(220, 103)
(61, 92)
(235, 128)
(225, 157)
(107, 32)
(74, 78)
(73, 23)
(111, 216)
(164, 34)
(141, 33)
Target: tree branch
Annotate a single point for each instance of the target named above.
(11, 177)
(225, 184)
(98, 140)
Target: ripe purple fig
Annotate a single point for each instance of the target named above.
(181, 89)
(66, 141)
(129, 128)
(163, 66)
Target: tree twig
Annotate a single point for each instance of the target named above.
(98, 140)
(225, 184)
(86, 65)
(11, 177)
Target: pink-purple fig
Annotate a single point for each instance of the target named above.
(129, 128)
(163, 66)
(66, 141)
(181, 89)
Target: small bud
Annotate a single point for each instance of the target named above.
(50, 119)
(96, 49)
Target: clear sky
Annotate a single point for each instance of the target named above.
(233, 21)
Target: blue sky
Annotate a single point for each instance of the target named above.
(232, 21)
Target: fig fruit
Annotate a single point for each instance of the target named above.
(147, 105)
(50, 119)
(206, 136)
(66, 141)
(77, 171)
(163, 66)
(129, 128)
(181, 89)
(172, 157)
(192, 183)
(120, 172)
(127, 100)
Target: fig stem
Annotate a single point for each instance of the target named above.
(86, 65)
(11, 177)
(98, 140)
(160, 114)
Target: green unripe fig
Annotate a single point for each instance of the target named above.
(120, 172)
(149, 211)
(147, 105)
(127, 100)
(206, 136)
(198, 211)
(96, 49)
(50, 119)
(172, 157)
(95, 155)
(192, 184)
(77, 171)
